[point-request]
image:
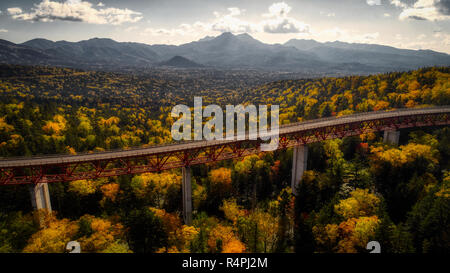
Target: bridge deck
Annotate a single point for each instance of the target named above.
(183, 146)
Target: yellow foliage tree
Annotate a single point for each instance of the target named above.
(55, 126)
(226, 237)
(82, 187)
(234, 246)
(110, 191)
(221, 176)
(232, 210)
(104, 236)
(179, 236)
(158, 183)
(349, 236)
(108, 122)
(5, 127)
(53, 238)
(404, 154)
(361, 203)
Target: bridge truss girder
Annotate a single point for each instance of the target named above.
(157, 162)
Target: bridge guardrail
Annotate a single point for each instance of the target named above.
(202, 142)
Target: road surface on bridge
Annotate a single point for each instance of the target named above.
(189, 145)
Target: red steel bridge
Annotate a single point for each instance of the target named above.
(64, 168)
(38, 171)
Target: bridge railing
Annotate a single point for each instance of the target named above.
(356, 115)
(202, 142)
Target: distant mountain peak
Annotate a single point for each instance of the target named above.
(206, 38)
(99, 41)
(247, 37)
(40, 40)
(180, 61)
(226, 34)
(240, 36)
(226, 50)
(39, 43)
(228, 38)
(244, 35)
(7, 43)
(303, 44)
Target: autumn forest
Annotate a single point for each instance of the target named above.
(356, 189)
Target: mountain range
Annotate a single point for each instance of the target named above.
(226, 51)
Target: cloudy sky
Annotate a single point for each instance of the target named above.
(415, 24)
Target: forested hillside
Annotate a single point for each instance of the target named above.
(356, 189)
(324, 97)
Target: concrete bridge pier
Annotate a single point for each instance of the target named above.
(299, 162)
(391, 136)
(40, 200)
(186, 188)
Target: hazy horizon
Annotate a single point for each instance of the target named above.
(408, 24)
(92, 38)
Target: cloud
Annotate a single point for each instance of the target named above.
(370, 36)
(421, 36)
(130, 29)
(284, 25)
(275, 20)
(373, 2)
(279, 22)
(196, 29)
(443, 7)
(227, 22)
(75, 11)
(443, 37)
(330, 14)
(432, 10)
(435, 42)
(400, 3)
(280, 9)
(230, 23)
(14, 11)
(349, 35)
(234, 11)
